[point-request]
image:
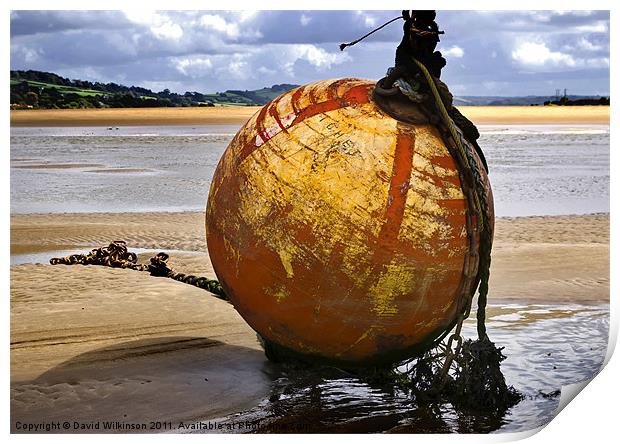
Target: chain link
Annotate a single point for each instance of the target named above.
(116, 255)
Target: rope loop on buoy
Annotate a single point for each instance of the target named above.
(481, 208)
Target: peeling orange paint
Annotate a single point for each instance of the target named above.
(341, 235)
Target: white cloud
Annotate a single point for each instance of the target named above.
(194, 66)
(239, 68)
(168, 30)
(266, 71)
(599, 62)
(317, 57)
(540, 16)
(247, 15)
(218, 50)
(368, 20)
(160, 25)
(250, 63)
(454, 51)
(598, 27)
(587, 45)
(538, 55)
(142, 17)
(217, 23)
(29, 55)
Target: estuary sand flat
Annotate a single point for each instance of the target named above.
(480, 115)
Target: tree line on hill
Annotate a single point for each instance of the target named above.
(565, 101)
(44, 90)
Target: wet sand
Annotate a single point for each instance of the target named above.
(100, 344)
(481, 115)
(536, 115)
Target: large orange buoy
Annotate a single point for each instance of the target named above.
(338, 231)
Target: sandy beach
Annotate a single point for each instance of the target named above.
(481, 115)
(127, 343)
(94, 343)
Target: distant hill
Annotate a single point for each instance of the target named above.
(518, 101)
(264, 95)
(45, 90)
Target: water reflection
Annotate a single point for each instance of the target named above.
(547, 346)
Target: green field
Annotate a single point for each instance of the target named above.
(221, 99)
(61, 88)
(48, 90)
(68, 89)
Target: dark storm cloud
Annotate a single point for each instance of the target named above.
(323, 26)
(38, 22)
(488, 52)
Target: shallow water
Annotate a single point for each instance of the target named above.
(127, 169)
(535, 170)
(547, 347)
(548, 169)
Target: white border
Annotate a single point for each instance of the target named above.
(590, 418)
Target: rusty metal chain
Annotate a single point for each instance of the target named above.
(116, 255)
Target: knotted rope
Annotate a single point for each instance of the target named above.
(476, 381)
(472, 172)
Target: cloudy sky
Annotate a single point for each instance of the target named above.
(488, 52)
